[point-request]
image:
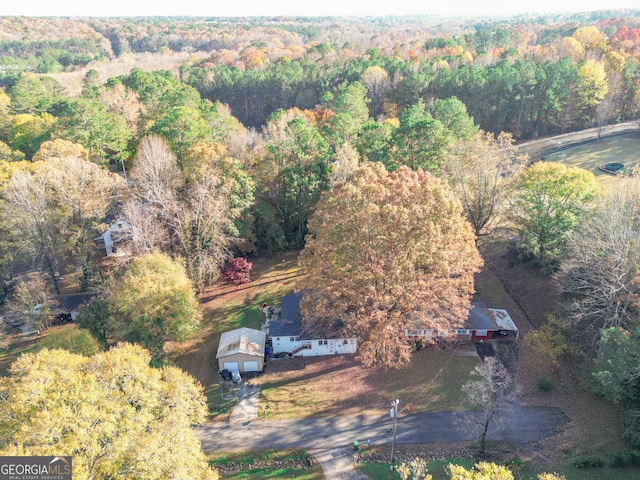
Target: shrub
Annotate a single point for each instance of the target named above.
(237, 271)
(545, 384)
(587, 462)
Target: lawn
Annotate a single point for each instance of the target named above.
(339, 385)
(226, 307)
(623, 149)
(437, 469)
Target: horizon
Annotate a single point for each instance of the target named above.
(290, 8)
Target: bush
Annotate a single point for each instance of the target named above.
(545, 384)
(237, 271)
(587, 462)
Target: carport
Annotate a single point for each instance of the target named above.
(242, 350)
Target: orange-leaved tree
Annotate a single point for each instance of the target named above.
(388, 251)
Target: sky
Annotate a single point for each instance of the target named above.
(300, 7)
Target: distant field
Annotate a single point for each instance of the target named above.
(623, 149)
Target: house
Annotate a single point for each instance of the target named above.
(482, 324)
(242, 350)
(118, 233)
(486, 323)
(288, 336)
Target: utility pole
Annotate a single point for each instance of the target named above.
(394, 413)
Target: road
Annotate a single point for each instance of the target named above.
(518, 424)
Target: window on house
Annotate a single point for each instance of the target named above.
(291, 339)
(481, 333)
(344, 342)
(463, 331)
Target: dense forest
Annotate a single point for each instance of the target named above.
(248, 128)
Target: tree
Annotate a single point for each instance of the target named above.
(420, 141)
(82, 194)
(416, 469)
(33, 300)
(480, 471)
(491, 394)
(117, 417)
(617, 369)
(153, 301)
(155, 171)
(72, 340)
(550, 200)
(60, 148)
(183, 127)
(387, 251)
(30, 131)
(599, 275)
(376, 80)
(95, 317)
(481, 171)
(198, 223)
(237, 271)
(33, 222)
(592, 88)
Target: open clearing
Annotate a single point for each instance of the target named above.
(623, 149)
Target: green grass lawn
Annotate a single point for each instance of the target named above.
(623, 149)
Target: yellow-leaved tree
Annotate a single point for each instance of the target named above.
(114, 414)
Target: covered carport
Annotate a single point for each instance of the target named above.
(242, 350)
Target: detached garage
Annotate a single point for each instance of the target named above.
(242, 350)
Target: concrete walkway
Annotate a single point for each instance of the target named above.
(246, 410)
(337, 463)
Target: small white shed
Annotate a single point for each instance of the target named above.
(242, 350)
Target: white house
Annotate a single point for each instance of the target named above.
(287, 335)
(119, 232)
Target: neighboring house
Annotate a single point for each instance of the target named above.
(242, 350)
(487, 323)
(118, 233)
(287, 334)
(482, 324)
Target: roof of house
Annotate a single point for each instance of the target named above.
(242, 340)
(290, 323)
(483, 318)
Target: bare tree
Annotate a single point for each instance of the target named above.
(492, 393)
(155, 171)
(346, 162)
(599, 275)
(199, 226)
(33, 223)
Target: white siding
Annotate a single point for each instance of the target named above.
(318, 347)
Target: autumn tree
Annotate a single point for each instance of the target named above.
(72, 340)
(152, 301)
(481, 172)
(599, 275)
(480, 471)
(377, 82)
(549, 201)
(385, 252)
(117, 417)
